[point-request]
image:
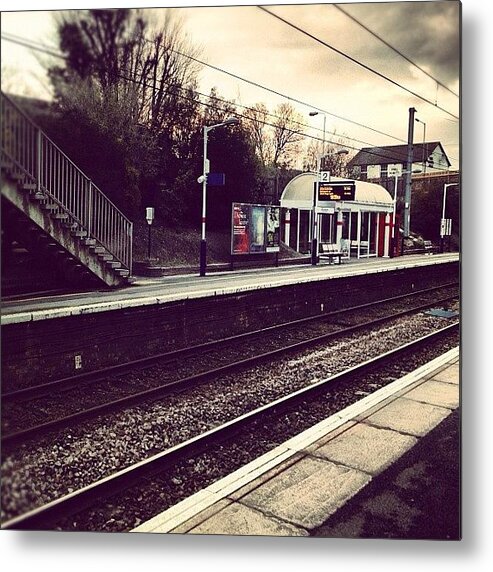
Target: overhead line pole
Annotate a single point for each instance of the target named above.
(409, 165)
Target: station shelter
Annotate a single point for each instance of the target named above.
(360, 228)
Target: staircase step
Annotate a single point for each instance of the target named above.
(79, 233)
(89, 241)
(105, 256)
(114, 265)
(61, 216)
(29, 186)
(49, 207)
(97, 249)
(39, 197)
(70, 225)
(123, 272)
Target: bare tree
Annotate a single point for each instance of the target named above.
(287, 135)
(260, 133)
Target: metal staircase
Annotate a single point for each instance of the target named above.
(60, 206)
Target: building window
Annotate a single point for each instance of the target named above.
(373, 172)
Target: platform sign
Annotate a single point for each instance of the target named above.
(445, 227)
(335, 191)
(216, 180)
(255, 229)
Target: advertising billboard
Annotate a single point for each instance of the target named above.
(255, 229)
(273, 239)
(240, 242)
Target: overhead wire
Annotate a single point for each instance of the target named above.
(351, 17)
(354, 60)
(49, 51)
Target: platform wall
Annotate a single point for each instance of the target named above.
(35, 352)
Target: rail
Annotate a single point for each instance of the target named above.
(43, 163)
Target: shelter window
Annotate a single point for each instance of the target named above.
(345, 224)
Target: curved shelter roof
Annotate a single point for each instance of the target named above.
(298, 193)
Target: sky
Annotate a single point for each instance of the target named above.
(361, 82)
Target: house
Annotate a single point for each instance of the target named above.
(382, 163)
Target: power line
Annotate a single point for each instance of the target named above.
(394, 49)
(265, 88)
(364, 66)
(33, 45)
(42, 48)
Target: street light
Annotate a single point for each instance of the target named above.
(396, 177)
(203, 179)
(442, 222)
(314, 215)
(424, 142)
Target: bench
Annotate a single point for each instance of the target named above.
(331, 252)
(429, 247)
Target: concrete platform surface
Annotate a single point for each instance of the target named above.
(385, 467)
(151, 291)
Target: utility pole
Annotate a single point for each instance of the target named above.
(409, 165)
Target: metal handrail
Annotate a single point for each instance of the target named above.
(57, 176)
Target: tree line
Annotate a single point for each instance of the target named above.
(128, 111)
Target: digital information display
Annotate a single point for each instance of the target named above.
(336, 191)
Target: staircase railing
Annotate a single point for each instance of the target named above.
(35, 155)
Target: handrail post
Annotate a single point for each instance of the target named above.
(39, 158)
(89, 210)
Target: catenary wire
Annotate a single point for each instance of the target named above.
(49, 51)
(354, 60)
(438, 82)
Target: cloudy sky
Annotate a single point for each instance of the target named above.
(345, 60)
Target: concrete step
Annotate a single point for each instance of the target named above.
(123, 272)
(49, 207)
(114, 264)
(97, 249)
(89, 241)
(79, 233)
(29, 186)
(61, 216)
(70, 225)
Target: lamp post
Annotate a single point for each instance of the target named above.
(203, 179)
(396, 177)
(442, 222)
(424, 142)
(314, 207)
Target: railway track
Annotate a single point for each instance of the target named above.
(50, 413)
(138, 474)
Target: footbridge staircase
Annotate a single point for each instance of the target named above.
(56, 210)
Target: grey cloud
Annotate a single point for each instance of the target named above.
(426, 32)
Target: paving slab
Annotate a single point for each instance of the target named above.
(366, 448)
(436, 393)
(241, 520)
(409, 417)
(308, 492)
(450, 374)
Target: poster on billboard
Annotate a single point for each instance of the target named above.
(273, 229)
(255, 229)
(240, 243)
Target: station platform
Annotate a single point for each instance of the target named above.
(156, 291)
(385, 467)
